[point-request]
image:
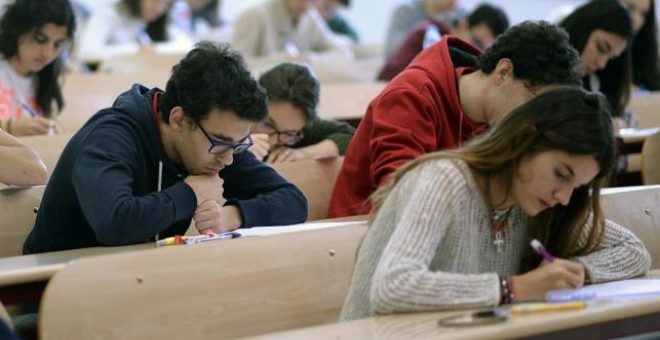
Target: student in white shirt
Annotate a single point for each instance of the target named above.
(200, 19)
(33, 33)
(128, 27)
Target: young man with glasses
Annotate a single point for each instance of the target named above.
(143, 168)
(292, 130)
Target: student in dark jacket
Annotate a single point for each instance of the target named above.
(146, 166)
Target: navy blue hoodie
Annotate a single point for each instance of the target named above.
(104, 188)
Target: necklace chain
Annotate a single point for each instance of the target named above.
(498, 219)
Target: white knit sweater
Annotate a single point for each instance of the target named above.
(431, 248)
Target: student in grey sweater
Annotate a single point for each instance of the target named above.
(452, 229)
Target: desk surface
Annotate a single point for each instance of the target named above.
(590, 322)
(347, 101)
(39, 267)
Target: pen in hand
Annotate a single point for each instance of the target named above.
(540, 249)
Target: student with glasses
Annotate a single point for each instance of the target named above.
(292, 130)
(143, 168)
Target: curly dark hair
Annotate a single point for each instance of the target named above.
(295, 84)
(213, 76)
(23, 17)
(540, 52)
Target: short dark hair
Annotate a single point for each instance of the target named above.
(295, 84)
(540, 52)
(613, 17)
(213, 76)
(492, 16)
(23, 16)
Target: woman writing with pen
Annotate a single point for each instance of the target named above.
(33, 34)
(452, 229)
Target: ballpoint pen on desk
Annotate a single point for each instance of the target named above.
(178, 240)
(540, 249)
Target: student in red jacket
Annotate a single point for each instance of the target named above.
(445, 96)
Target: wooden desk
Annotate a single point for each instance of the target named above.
(347, 101)
(647, 109)
(85, 94)
(600, 322)
(23, 278)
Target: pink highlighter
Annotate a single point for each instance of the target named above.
(540, 249)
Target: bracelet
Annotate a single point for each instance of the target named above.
(506, 289)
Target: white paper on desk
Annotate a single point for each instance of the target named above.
(10, 187)
(265, 231)
(613, 291)
(637, 132)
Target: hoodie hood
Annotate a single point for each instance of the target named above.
(451, 51)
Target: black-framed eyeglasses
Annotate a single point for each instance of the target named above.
(285, 137)
(219, 146)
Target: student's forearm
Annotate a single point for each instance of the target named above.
(22, 166)
(324, 148)
(231, 218)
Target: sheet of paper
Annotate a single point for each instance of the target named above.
(265, 231)
(617, 291)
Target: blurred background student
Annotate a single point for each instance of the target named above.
(33, 33)
(644, 48)
(602, 31)
(330, 11)
(480, 28)
(128, 27)
(410, 12)
(200, 19)
(292, 130)
(287, 30)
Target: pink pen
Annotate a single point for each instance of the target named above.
(540, 249)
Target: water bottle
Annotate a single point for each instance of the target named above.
(431, 36)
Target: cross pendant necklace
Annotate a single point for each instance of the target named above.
(499, 236)
(499, 220)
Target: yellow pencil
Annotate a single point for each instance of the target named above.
(525, 308)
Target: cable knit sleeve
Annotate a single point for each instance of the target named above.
(621, 255)
(426, 203)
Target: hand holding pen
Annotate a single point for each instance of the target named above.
(553, 273)
(27, 126)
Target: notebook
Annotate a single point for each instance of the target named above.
(625, 290)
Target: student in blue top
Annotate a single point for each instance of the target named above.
(146, 166)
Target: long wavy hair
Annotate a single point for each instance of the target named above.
(611, 16)
(567, 119)
(25, 16)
